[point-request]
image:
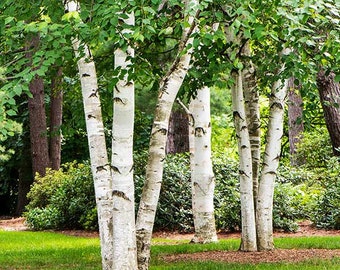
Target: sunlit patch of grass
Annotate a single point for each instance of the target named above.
(166, 241)
(44, 250)
(307, 242)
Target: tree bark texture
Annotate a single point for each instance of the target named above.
(56, 114)
(248, 236)
(124, 228)
(100, 166)
(178, 140)
(169, 87)
(154, 169)
(252, 109)
(329, 92)
(295, 123)
(264, 211)
(37, 115)
(202, 176)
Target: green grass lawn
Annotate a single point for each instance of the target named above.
(47, 250)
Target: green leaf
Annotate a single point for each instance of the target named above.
(8, 20)
(149, 10)
(11, 112)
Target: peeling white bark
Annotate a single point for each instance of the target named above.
(264, 211)
(154, 169)
(124, 228)
(202, 176)
(96, 139)
(248, 236)
(169, 88)
(252, 108)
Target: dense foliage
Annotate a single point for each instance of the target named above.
(65, 198)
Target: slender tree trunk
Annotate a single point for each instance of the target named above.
(100, 166)
(202, 176)
(169, 88)
(37, 116)
(248, 236)
(329, 92)
(264, 211)
(56, 114)
(295, 124)
(252, 108)
(124, 228)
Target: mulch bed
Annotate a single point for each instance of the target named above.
(277, 255)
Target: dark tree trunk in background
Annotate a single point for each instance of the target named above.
(56, 113)
(37, 116)
(178, 133)
(329, 92)
(25, 173)
(295, 123)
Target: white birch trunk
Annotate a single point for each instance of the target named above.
(248, 236)
(252, 107)
(154, 170)
(124, 229)
(169, 88)
(264, 211)
(96, 139)
(202, 176)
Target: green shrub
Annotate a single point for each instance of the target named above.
(63, 199)
(315, 148)
(227, 197)
(174, 207)
(44, 218)
(293, 203)
(327, 210)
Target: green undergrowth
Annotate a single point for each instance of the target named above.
(50, 250)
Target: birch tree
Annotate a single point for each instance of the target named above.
(264, 211)
(202, 175)
(248, 230)
(111, 196)
(252, 109)
(169, 87)
(124, 229)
